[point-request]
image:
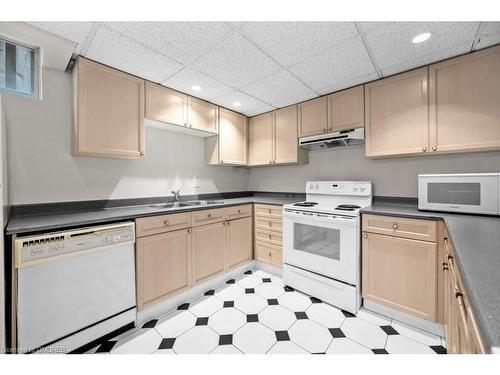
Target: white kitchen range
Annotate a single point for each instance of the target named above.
(249, 187)
(321, 241)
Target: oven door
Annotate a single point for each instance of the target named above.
(459, 193)
(324, 244)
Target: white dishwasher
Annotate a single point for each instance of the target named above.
(74, 286)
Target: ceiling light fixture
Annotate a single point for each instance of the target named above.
(196, 88)
(237, 104)
(421, 38)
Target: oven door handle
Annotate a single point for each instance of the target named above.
(328, 220)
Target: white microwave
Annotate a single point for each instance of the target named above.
(477, 193)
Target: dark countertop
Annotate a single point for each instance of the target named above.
(476, 240)
(58, 220)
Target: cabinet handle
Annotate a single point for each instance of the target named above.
(239, 211)
(209, 216)
(324, 130)
(395, 226)
(270, 224)
(185, 124)
(424, 149)
(463, 316)
(166, 222)
(142, 153)
(228, 223)
(270, 162)
(270, 211)
(434, 148)
(190, 125)
(189, 230)
(365, 235)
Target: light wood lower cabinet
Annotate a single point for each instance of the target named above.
(163, 266)
(239, 241)
(108, 112)
(170, 259)
(208, 243)
(268, 234)
(401, 273)
(460, 324)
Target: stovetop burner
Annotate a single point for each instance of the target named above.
(347, 207)
(305, 204)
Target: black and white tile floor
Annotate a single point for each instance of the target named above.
(259, 314)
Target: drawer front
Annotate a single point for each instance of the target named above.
(163, 223)
(417, 229)
(275, 238)
(267, 253)
(268, 210)
(208, 216)
(268, 223)
(237, 212)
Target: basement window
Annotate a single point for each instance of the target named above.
(18, 69)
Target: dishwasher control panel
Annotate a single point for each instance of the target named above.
(39, 247)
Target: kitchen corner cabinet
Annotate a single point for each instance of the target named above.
(229, 147)
(400, 271)
(346, 109)
(464, 97)
(108, 112)
(312, 117)
(396, 114)
(163, 266)
(273, 139)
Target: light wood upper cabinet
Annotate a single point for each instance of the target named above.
(465, 102)
(239, 241)
(346, 109)
(400, 273)
(261, 139)
(396, 113)
(163, 266)
(108, 113)
(202, 115)
(165, 105)
(230, 146)
(286, 144)
(208, 251)
(313, 117)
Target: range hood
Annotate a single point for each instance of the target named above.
(330, 140)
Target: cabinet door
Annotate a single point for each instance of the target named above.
(260, 131)
(312, 117)
(239, 241)
(208, 251)
(346, 109)
(401, 274)
(165, 105)
(286, 144)
(108, 112)
(202, 115)
(163, 266)
(232, 140)
(465, 102)
(396, 115)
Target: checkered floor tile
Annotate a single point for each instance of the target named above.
(257, 313)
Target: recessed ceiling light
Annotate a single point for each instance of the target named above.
(196, 88)
(421, 38)
(237, 104)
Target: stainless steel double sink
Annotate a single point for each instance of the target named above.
(185, 204)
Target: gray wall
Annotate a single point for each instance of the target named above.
(390, 177)
(42, 169)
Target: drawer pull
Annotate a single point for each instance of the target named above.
(166, 222)
(270, 236)
(270, 211)
(270, 224)
(424, 149)
(209, 216)
(365, 235)
(239, 211)
(395, 226)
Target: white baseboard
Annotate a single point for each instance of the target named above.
(425, 325)
(268, 268)
(190, 294)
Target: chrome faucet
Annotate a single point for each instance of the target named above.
(176, 194)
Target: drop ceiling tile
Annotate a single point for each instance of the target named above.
(394, 51)
(74, 31)
(280, 89)
(490, 34)
(249, 106)
(187, 77)
(112, 48)
(182, 41)
(291, 42)
(236, 62)
(344, 65)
